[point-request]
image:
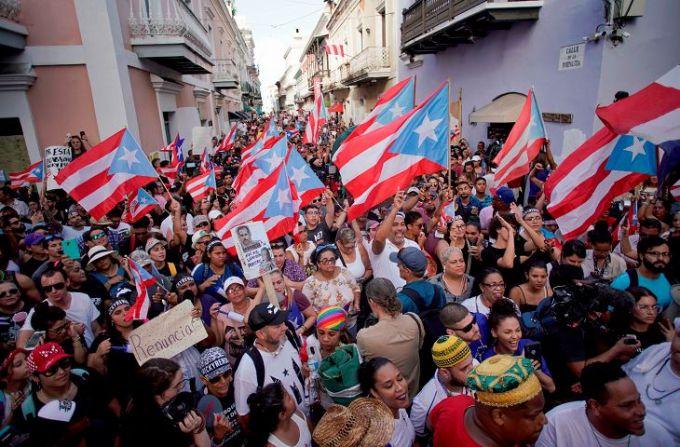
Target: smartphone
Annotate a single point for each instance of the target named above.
(34, 339)
(70, 248)
(630, 339)
(532, 351)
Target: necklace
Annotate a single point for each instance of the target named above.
(659, 399)
(592, 430)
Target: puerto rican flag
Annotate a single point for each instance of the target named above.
(142, 280)
(32, 174)
(260, 166)
(271, 202)
(317, 118)
(307, 184)
(228, 141)
(100, 178)
(415, 144)
(176, 160)
(200, 186)
(449, 212)
(206, 164)
(139, 205)
(393, 104)
(523, 144)
(270, 130)
(675, 190)
(581, 188)
(335, 49)
(652, 113)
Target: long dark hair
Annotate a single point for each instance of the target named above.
(367, 372)
(265, 408)
(152, 379)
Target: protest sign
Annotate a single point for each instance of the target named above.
(167, 335)
(253, 249)
(56, 158)
(201, 139)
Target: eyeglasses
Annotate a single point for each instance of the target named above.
(62, 364)
(468, 327)
(8, 293)
(97, 236)
(180, 385)
(202, 224)
(656, 254)
(533, 219)
(648, 307)
(327, 261)
(57, 286)
(224, 376)
(500, 285)
(278, 245)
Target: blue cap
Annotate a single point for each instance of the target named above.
(505, 194)
(34, 239)
(412, 258)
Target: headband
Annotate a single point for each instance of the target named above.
(116, 304)
(184, 280)
(530, 210)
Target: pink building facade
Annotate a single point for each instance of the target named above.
(157, 67)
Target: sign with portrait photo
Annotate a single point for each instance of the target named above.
(253, 249)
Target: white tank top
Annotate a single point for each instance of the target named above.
(356, 268)
(305, 439)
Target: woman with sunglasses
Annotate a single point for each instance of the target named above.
(13, 312)
(331, 285)
(154, 390)
(218, 395)
(643, 319)
(56, 384)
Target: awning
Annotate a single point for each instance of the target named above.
(504, 109)
(237, 116)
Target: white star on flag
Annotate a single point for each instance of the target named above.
(427, 130)
(637, 148)
(274, 161)
(129, 157)
(396, 110)
(299, 175)
(283, 197)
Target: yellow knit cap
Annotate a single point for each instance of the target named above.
(504, 381)
(449, 351)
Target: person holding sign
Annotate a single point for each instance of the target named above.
(214, 270)
(331, 285)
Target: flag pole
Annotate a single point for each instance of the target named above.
(448, 131)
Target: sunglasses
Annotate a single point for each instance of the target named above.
(224, 376)
(50, 237)
(8, 293)
(202, 224)
(467, 328)
(57, 286)
(63, 364)
(97, 236)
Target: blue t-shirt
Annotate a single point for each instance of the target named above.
(203, 272)
(426, 291)
(519, 352)
(660, 287)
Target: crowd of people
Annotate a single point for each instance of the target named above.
(446, 316)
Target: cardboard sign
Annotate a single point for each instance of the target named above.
(167, 335)
(253, 249)
(56, 158)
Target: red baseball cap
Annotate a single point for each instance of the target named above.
(44, 356)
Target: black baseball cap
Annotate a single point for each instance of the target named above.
(264, 315)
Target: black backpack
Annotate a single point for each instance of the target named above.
(429, 315)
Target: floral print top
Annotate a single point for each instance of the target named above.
(335, 292)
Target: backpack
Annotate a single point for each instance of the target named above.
(535, 321)
(258, 361)
(633, 278)
(429, 316)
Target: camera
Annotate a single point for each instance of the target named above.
(179, 407)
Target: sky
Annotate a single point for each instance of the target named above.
(273, 23)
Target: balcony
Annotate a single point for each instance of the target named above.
(321, 74)
(225, 75)
(12, 34)
(371, 64)
(430, 26)
(168, 32)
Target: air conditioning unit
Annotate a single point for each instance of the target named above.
(625, 9)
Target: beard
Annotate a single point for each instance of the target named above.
(655, 267)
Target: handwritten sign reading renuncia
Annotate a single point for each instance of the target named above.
(167, 335)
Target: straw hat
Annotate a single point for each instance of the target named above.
(366, 422)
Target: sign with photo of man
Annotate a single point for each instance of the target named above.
(253, 249)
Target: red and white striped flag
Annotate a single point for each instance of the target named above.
(523, 144)
(32, 174)
(139, 205)
(335, 49)
(200, 186)
(100, 178)
(675, 190)
(581, 188)
(228, 141)
(318, 116)
(142, 280)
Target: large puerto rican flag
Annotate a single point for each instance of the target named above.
(32, 174)
(523, 144)
(260, 166)
(139, 205)
(201, 185)
(582, 188)
(317, 117)
(652, 113)
(393, 104)
(306, 183)
(272, 201)
(415, 144)
(228, 141)
(105, 174)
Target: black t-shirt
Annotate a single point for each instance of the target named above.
(321, 234)
(236, 437)
(29, 267)
(512, 276)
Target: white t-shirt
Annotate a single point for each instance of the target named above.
(283, 366)
(429, 396)
(72, 233)
(404, 434)
(384, 268)
(82, 310)
(475, 304)
(123, 229)
(568, 426)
